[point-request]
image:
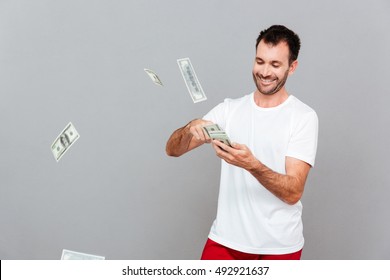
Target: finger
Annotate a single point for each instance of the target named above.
(222, 154)
(222, 145)
(195, 133)
(235, 145)
(216, 147)
(202, 134)
(207, 123)
(238, 146)
(199, 133)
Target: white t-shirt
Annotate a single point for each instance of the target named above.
(249, 217)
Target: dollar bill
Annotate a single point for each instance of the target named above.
(153, 76)
(216, 133)
(72, 255)
(222, 137)
(64, 141)
(212, 128)
(191, 80)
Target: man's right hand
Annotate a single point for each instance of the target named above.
(187, 138)
(196, 129)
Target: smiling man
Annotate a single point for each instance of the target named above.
(264, 172)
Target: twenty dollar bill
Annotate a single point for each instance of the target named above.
(64, 141)
(191, 80)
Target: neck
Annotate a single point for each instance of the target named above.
(269, 101)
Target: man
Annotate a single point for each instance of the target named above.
(263, 174)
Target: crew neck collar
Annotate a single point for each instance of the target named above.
(288, 100)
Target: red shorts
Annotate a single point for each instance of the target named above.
(215, 251)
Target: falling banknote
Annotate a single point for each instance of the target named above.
(191, 80)
(64, 141)
(72, 255)
(154, 77)
(216, 133)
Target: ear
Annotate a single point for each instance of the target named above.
(292, 67)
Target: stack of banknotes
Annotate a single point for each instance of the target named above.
(216, 133)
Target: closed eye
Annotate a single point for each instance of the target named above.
(259, 61)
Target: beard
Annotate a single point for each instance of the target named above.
(280, 83)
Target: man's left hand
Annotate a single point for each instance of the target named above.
(238, 154)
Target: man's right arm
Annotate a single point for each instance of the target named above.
(187, 138)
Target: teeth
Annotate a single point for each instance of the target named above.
(266, 81)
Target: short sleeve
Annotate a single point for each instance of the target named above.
(304, 138)
(218, 114)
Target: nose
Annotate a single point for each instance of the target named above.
(265, 70)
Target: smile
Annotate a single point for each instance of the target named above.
(267, 81)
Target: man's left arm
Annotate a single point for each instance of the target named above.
(287, 187)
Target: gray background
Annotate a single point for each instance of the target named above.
(116, 193)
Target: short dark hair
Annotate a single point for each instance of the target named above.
(279, 33)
